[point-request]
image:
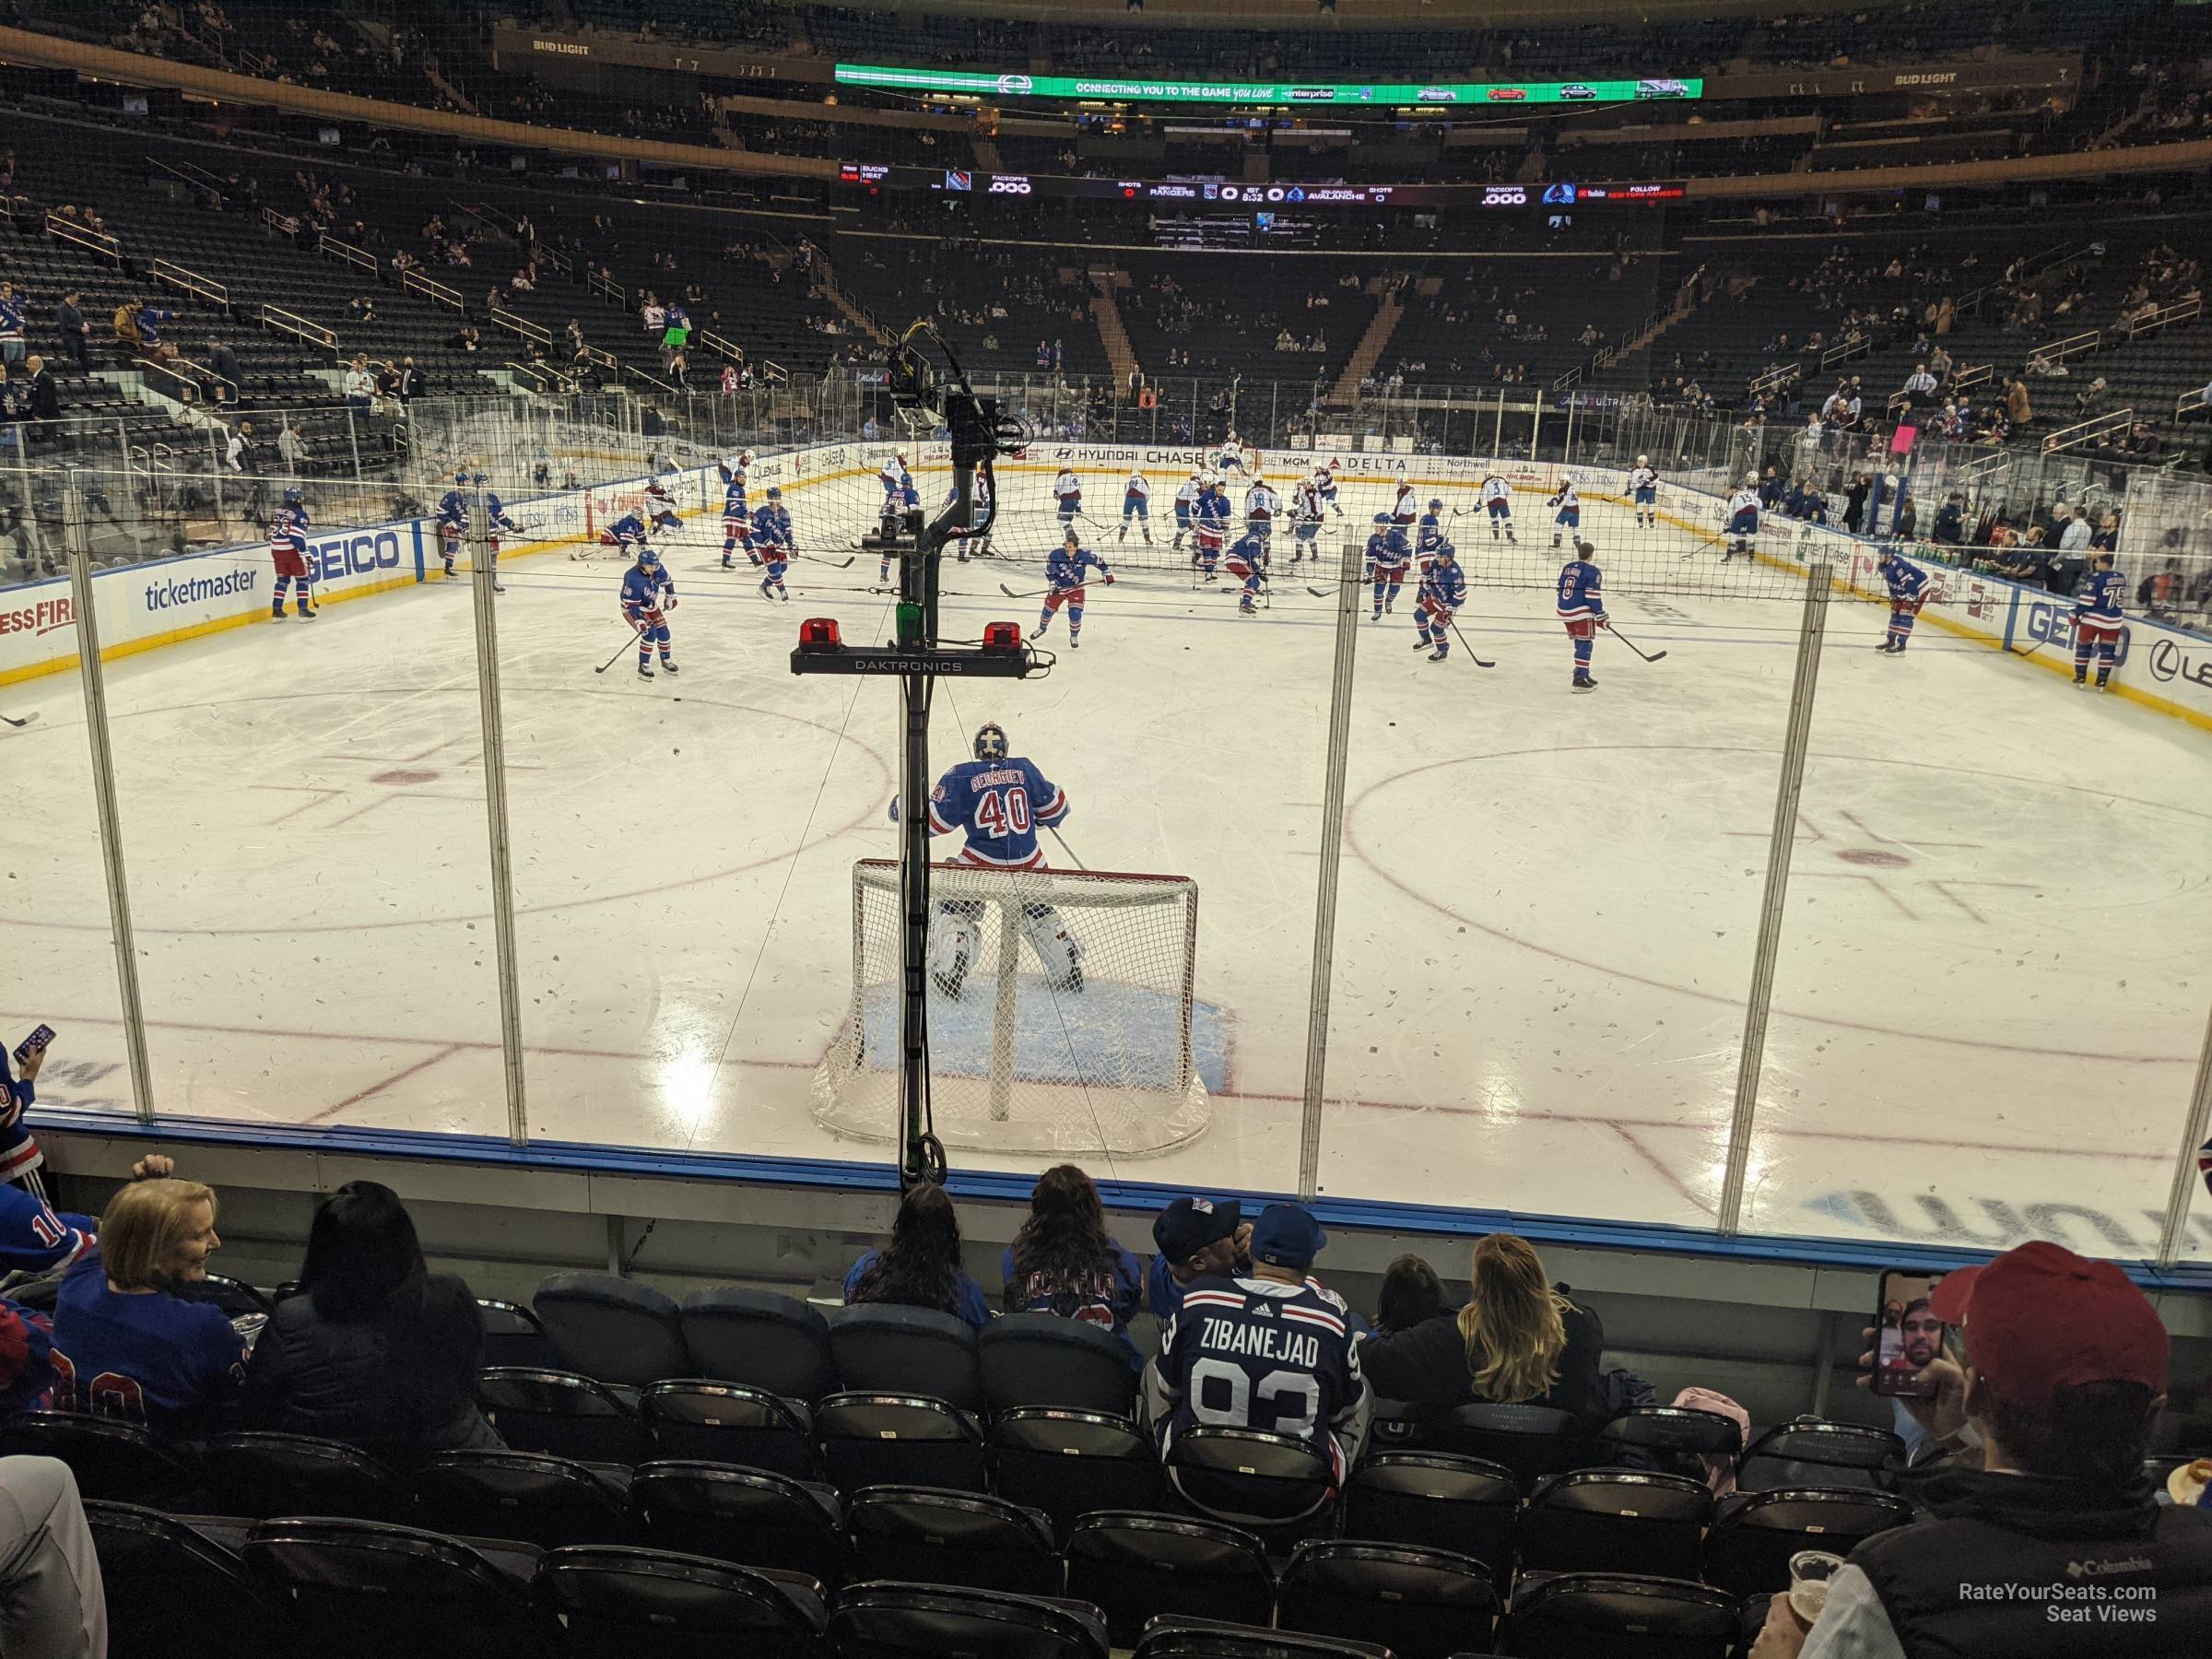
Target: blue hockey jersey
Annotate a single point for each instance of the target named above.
(453, 508)
(1581, 592)
(1905, 581)
(1252, 1353)
(642, 591)
(999, 806)
(158, 1361)
(35, 1236)
(1386, 549)
(2098, 598)
(288, 530)
(1429, 535)
(1063, 571)
(495, 512)
(771, 523)
(628, 530)
(733, 498)
(1446, 585)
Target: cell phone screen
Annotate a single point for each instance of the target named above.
(34, 1043)
(1907, 1334)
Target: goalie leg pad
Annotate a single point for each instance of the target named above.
(1059, 952)
(954, 940)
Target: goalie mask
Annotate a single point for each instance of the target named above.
(991, 741)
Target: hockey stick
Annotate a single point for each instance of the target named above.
(835, 564)
(19, 725)
(626, 644)
(1025, 594)
(1453, 622)
(1653, 656)
(1065, 848)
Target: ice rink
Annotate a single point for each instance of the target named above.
(1992, 989)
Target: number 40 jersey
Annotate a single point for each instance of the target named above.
(1248, 1353)
(1000, 805)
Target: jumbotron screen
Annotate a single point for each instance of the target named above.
(1323, 95)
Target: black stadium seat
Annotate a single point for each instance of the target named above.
(174, 1591)
(1133, 1566)
(512, 1336)
(1616, 1521)
(1670, 1438)
(883, 1348)
(898, 1440)
(365, 1590)
(1249, 1476)
(119, 1462)
(1420, 1604)
(1531, 1440)
(1754, 1534)
(613, 1329)
(260, 1474)
(1043, 1359)
(722, 1422)
(748, 1516)
(548, 1502)
(759, 1339)
(925, 1535)
(1070, 1463)
(606, 1602)
(889, 1620)
(1438, 1500)
(1171, 1636)
(1621, 1616)
(1809, 1452)
(560, 1413)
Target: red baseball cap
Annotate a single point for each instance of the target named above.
(2040, 1318)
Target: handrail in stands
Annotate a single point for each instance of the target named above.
(414, 281)
(2192, 400)
(292, 323)
(97, 242)
(720, 346)
(359, 258)
(1967, 379)
(191, 281)
(1858, 346)
(2181, 310)
(608, 289)
(2056, 351)
(178, 173)
(2082, 432)
(1774, 380)
(521, 326)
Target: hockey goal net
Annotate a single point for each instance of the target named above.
(1060, 1012)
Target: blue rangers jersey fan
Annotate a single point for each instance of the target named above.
(1250, 1353)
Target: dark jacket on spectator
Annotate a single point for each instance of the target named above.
(1950, 528)
(413, 384)
(224, 361)
(1427, 1366)
(45, 395)
(400, 1385)
(70, 322)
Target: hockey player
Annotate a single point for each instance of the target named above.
(889, 475)
(1743, 520)
(1643, 493)
(1406, 510)
(900, 502)
(288, 552)
(1209, 523)
(1233, 454)
(979, 511)
(643, 585)
(1186, 504)
(1908, 585)
(1136, 503)
(734, 468)
(1305, 520)
(1247, 561)
(495, 519)
(1388, 556)
(737, 518)
(772, 541)
(1063, 571)
(659, 507)
(1442, 591)
(1429, 535)
(1326, 477)
(997, 802)
(1566, 515)
(1068, 487)
(2097, 620)
(453, 520)
(1583, 610)
(1498, 496)
(1271, 1349)
(627, 532)
(1262, 506)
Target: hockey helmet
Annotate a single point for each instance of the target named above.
(461, 477)
(1436, 504)
(1445, 551)
(1644, 460)
(1383, 518)
(292, 498)
(991, 741)
(774, 494)
(647, 558)
(1750, 479)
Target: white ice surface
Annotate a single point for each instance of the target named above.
(1991, 993)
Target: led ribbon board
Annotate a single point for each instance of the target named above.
(1383, 95)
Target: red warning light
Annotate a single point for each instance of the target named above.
(998, 636)
(819, 634)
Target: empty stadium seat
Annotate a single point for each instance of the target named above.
(1249, 1476)
(560, 1413)
(612, 1602)
(153, 1564)
(748, 1516)
(927, 1621)
(1614, 1521)
(1131, 1566)
(1043, 1359)
(898, 1440)
(883, 1346)
(260, 1474)
(548, 1502)
(1622, 1616)
(366, 1590)
(925, 1535)
(1436, 1500)
(613, 1329)
(1754, 1534)
(1069, 1463)
(724, 1423)
(1419, 1603)
(760, 1339)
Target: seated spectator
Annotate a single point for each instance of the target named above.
(1949, 528)
(372, 1347)
(2045, 1429)
(1063, 1261)
(1270, 1349)
(35, 1239)
(921, 1267)
(1197, 1239)
(1517, 1341)
(125, 1345)
(52, 1605)
(1410, 1294)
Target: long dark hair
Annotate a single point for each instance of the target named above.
(1411, 1292)
(1062, 1247)
(362, 1255)
(921, 1267)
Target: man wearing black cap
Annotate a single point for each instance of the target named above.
(2042, 1536)
(1271, 1349)
(1198, 1239)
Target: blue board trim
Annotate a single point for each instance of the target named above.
(987, 1186)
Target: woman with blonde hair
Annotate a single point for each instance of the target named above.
(1516, 1341)
(125, 1344)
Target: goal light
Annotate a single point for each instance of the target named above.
(819, 634)
(998, 636)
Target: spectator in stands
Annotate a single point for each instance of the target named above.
(1063, 1261)
(372, 1348)
(151, 321)
(2017, 407)
(228, 377)
(127, 334)
(52, 1605)
(1518, 1340)
(76, 341)
(292, 449)
(42, 397)
(135, 1349)
(359, 384)
(241, 454)
(466, 339)
(413, 382)
(15, 408)
(1411, 1294)
(1855, 500)
(921, 1267)
(12, 346)
(2046, 1429)
(1197, 1237)
(1920, 387)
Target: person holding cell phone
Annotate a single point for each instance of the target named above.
(20, 1159)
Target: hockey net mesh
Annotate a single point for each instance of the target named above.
(1033, 1048)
